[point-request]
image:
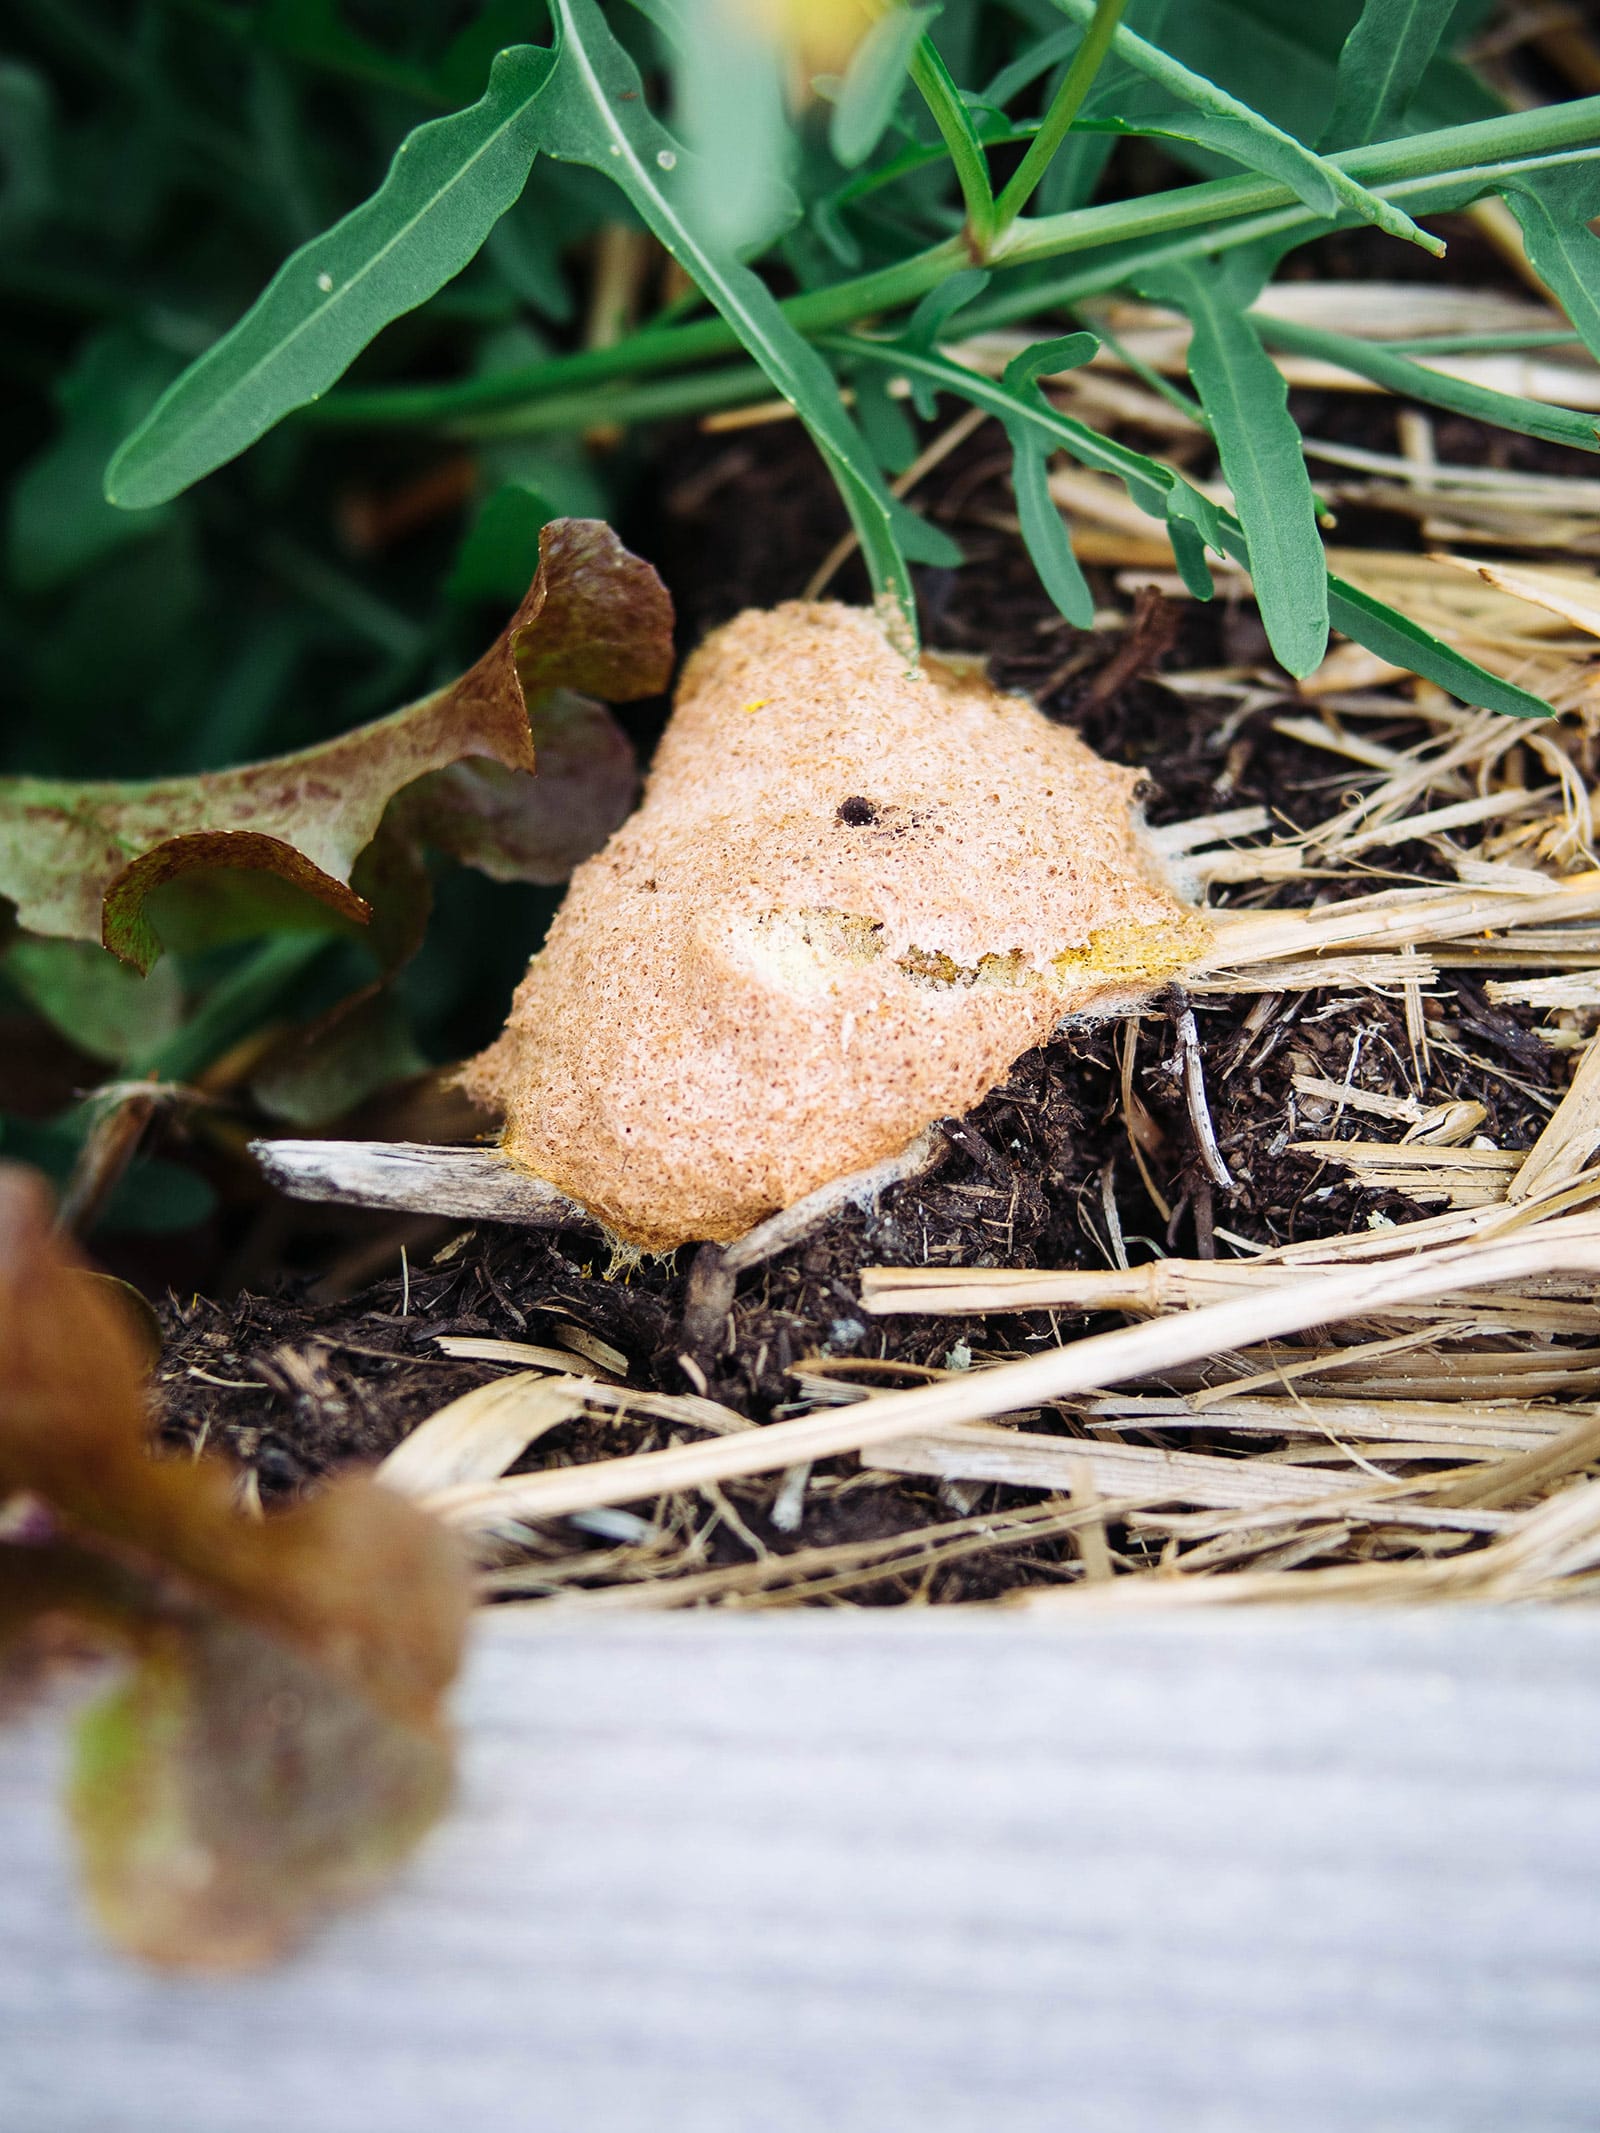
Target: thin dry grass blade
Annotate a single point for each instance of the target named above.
(525, 1355)
(1560, 1153)
(814, 1573)
(1570, 1244)
(1147, 1475)
(478, 1436)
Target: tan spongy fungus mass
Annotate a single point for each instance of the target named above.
(854, 893)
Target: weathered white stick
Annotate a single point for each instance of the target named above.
(792, 1225)
(479, 1184)
(476, 1184)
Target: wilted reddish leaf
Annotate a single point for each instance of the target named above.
(605, 626)
(487, 816)
(281, 1739)
(82, 860)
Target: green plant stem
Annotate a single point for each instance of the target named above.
(656, 400)
(954, 122)
(911, 160)
(233, 1007)
(1100, 275)
(1489, 145)
(1243, 205)
(654, 348)
(1064, 108)
(1460, 344)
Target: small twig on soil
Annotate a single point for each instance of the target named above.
(792, 1225)
(1151, 631)
(1194, 1093)
(479, 1184)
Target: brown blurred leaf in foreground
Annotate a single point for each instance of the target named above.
(279, 1745)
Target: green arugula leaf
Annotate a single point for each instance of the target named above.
(1321, 185)
(1044, 533)
(1163, 492)
(1383, 61)
(926, 326)
(884, 422)
(1417, 381)
(592, 111)
(921, 541)
(1555, 208)
(1044, 530)
(1273, 156)
(1554, 203)
(1247, 403)
(873, 82)
(1393, 636)
(933, 314)
(448, 185)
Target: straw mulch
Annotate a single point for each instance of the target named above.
(1407, 1411)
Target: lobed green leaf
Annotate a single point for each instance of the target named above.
(1164, 493)
(1555, 208)
(1044, 530)
(1394, 636)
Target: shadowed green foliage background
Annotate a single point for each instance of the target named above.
(302, 322)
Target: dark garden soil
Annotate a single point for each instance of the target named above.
(306, 1368)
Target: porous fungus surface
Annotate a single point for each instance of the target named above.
(852, 896)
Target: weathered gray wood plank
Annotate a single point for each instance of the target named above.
(859, 1875)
